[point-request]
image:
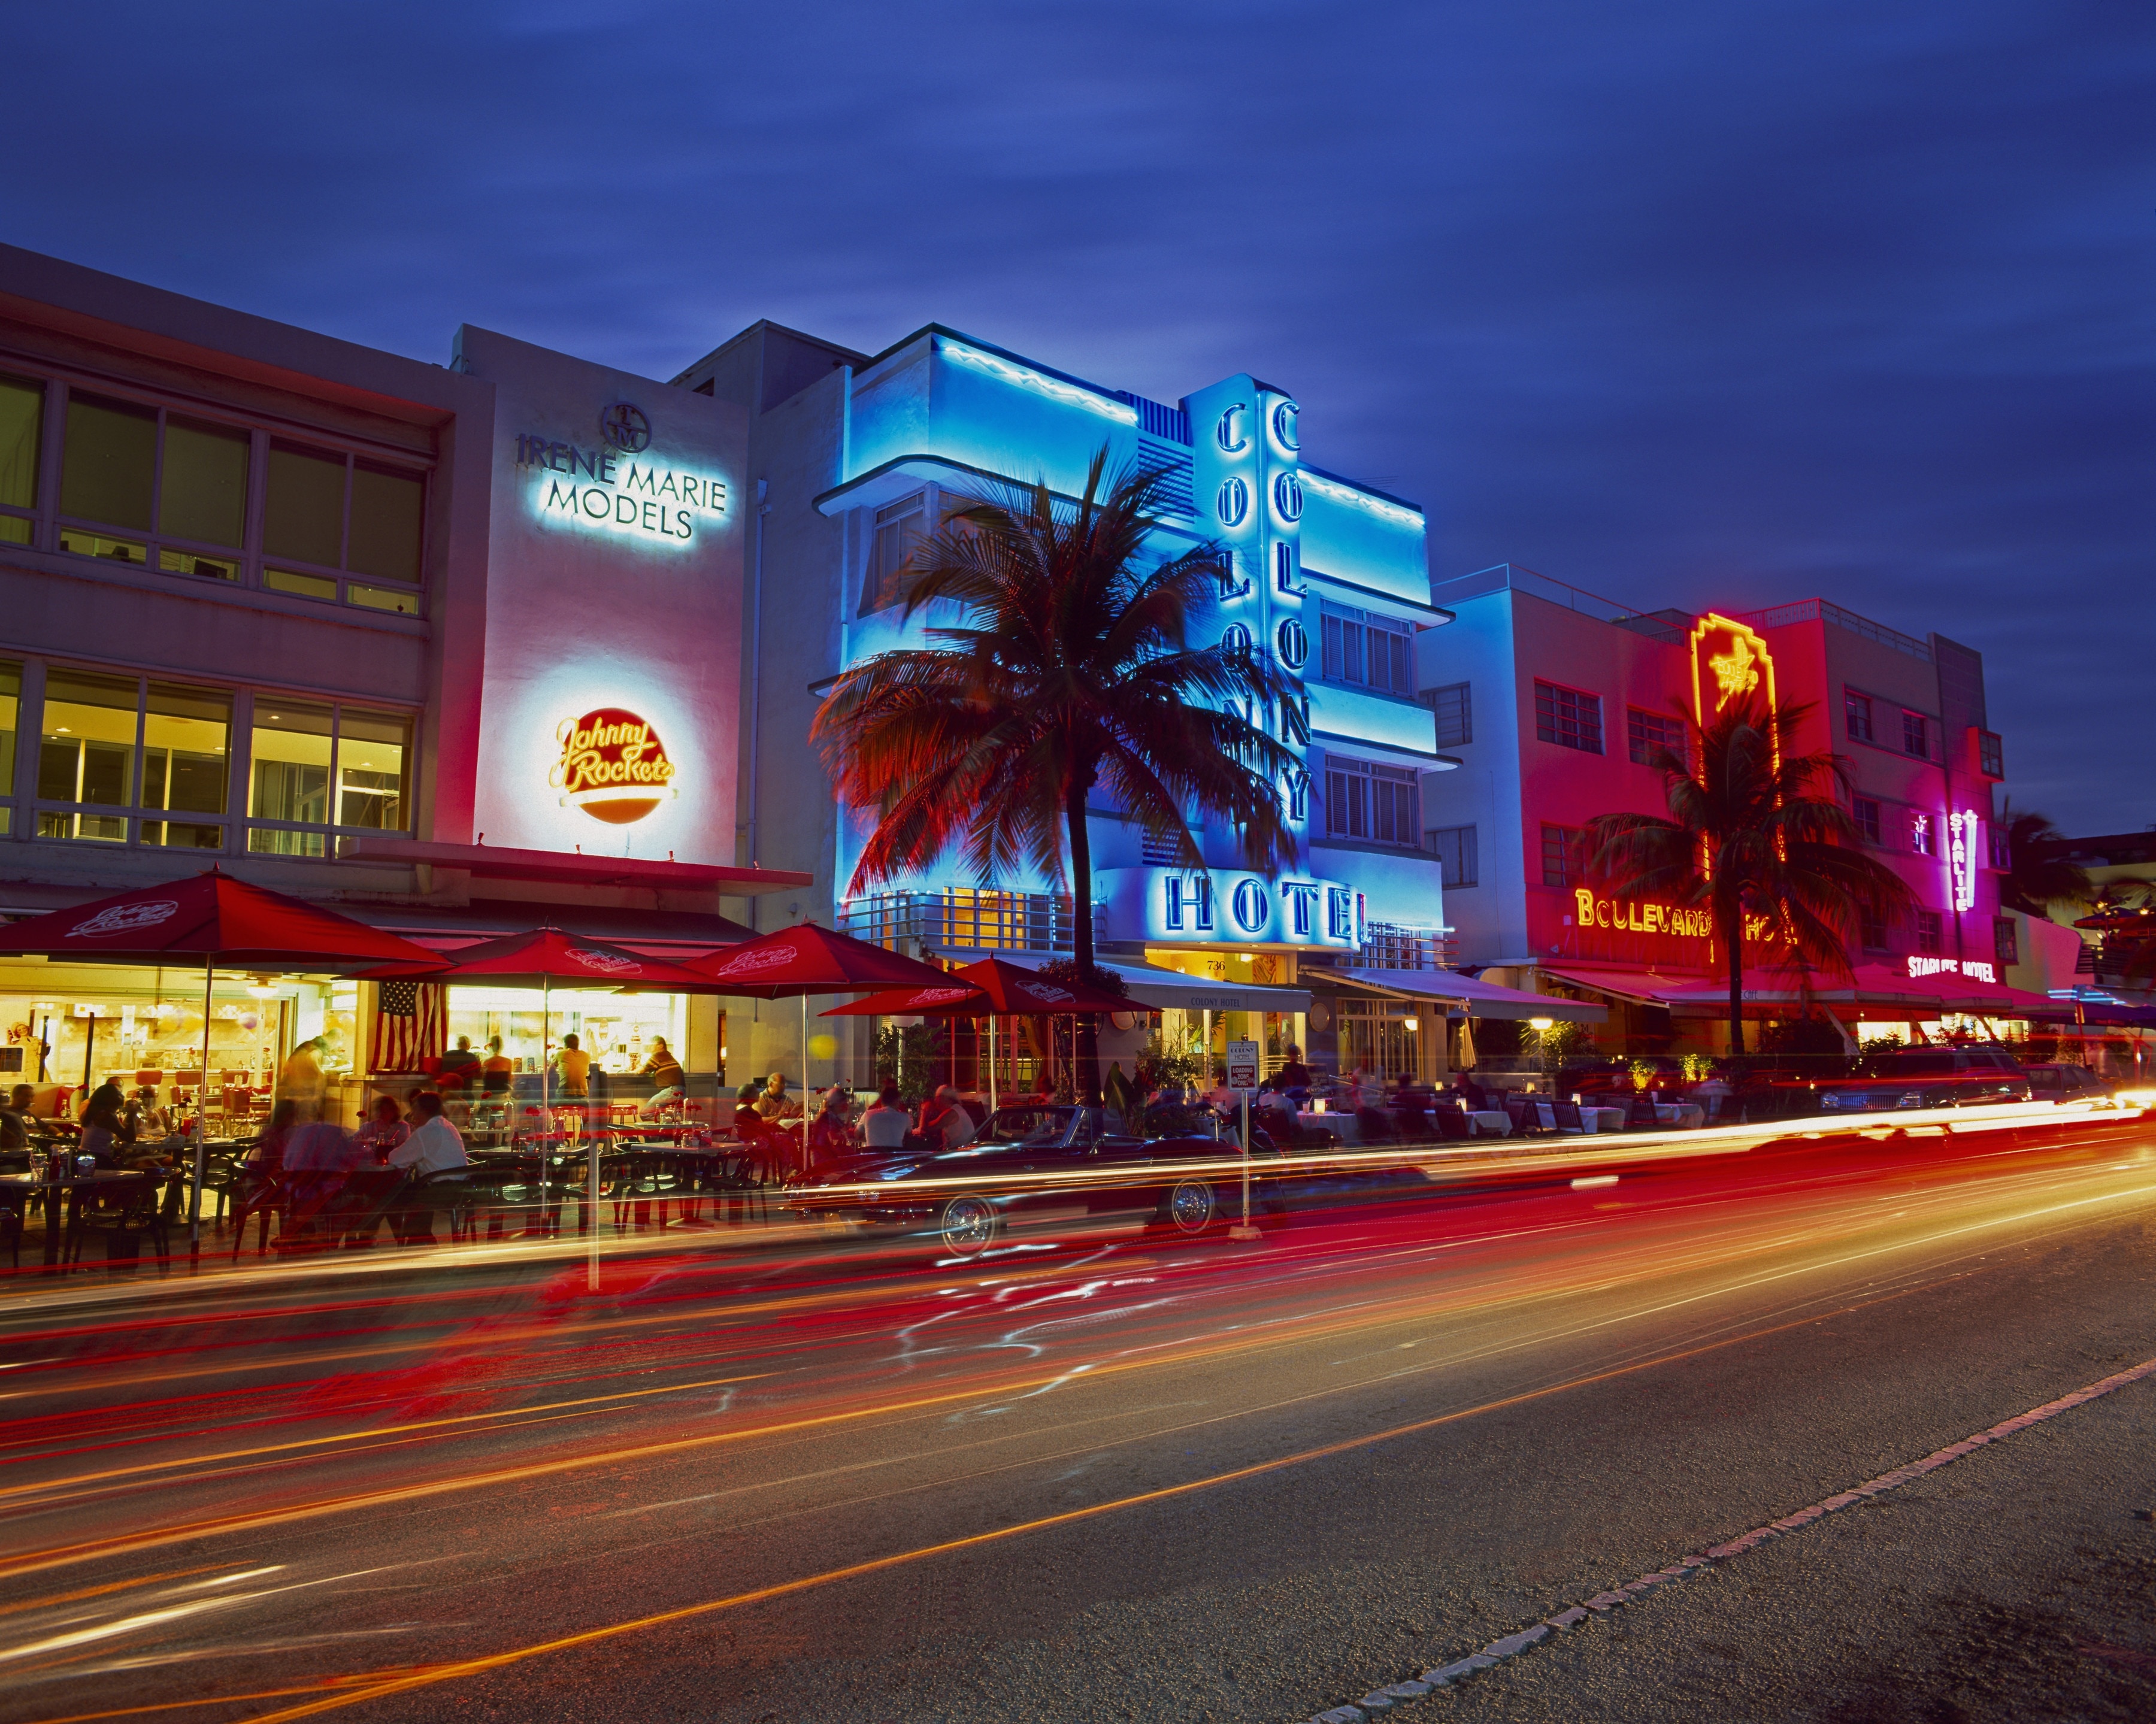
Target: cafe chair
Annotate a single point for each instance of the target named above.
(254, 1194)
(124, 1213)
(11, 1229)
(1565, 1116)
(1640, 1114)
(1521, 1109)
(1453, 1125)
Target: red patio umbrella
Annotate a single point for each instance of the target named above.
(805, 959)
(995, 988)
(218, 920)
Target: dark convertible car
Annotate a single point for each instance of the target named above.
(1049, 1167)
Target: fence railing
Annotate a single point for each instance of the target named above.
(1390, 946)
(961, 918)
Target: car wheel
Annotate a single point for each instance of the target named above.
(1190, 1208)
(969, 1226)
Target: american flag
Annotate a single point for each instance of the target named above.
(411, 1024)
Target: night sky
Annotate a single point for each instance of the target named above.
(1685, 304)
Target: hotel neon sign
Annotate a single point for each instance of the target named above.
(1973, 967)
(1961, 859)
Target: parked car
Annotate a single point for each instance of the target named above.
(1045, 1165)
(1909, 1078)
(2061, 1081)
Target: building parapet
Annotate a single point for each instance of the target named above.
(1818, 610)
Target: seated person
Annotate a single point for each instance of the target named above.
(1221, 1096)
(662, 1068)
(1293, 1074)
(267, 1157)
(1469, 1094)
(144, 1118)
(459, 1065)
(496, 1070)
(831, 1135)
(944, 1123)
(774, 1103)
(104, 1131)
(384, 1131)
(433, 1146)
(16, 1116)
(888, 1121)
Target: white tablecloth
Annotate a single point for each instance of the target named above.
(1491, 1121)
(1688, 1115)
(1340, 1124)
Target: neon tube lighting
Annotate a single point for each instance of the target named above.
(1122, 413)
(1347, 493)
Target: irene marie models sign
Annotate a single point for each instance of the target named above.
(617, 487)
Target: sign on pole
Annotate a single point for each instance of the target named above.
(1243, 1075)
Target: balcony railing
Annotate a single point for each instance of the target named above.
(961, 918)
(1390, 946)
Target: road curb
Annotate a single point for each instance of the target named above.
(1381, 1701)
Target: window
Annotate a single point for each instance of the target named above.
(317, 767)
(1929, 931)
(1568, 718)
(1455, 725)
(1454, 847)
(1364, 800)
(1871, 930)
(1924, 834)
(1990, 754)
(21, 439)
(11, 704)
(1562, 860)
(161, 489)
(1368, 647)
(1650, 733)
(2005, 942)
(899, 529)
(2002, 854)
(1916, 735)
(1856, 717)
(1864, 810)
(96, 730)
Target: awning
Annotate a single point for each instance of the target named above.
(1639, 988)
(653, 933)
(1167, 990)
(1475, 998)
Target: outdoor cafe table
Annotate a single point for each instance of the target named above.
(74, 1185)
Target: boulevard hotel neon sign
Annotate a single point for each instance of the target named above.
(610, 490)
(1679, 921)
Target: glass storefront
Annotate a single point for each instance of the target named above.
(616, 1029)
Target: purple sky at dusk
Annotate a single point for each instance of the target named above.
(1687, 304)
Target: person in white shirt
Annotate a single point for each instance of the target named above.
(434, 1146)
(886, 1124)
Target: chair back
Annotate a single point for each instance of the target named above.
(1640, 1113)
(1565, 1115)
(1452, 1122)
(1519, 1108)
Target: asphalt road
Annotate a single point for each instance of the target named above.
(1112, 1476)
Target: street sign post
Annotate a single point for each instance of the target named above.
(1243, 1078)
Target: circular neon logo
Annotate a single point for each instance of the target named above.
(626, 427)
(613, 765)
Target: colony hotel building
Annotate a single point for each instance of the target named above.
(462, 648)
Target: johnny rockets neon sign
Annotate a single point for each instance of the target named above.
(613, 765)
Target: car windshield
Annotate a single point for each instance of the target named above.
(1032, 1127)
(1905, 1063)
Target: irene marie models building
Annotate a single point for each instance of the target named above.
(518, 639)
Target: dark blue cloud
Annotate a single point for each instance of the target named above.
(1685, 303)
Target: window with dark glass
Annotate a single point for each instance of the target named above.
(898, 530)
(1342, 655)
(202, 494)
(1990, 754)
(1871, 930)
(387, 523)
(1455, 848)
(1568, 718)
(108, 474)
(2002, 853)
(1455, 723)
(21, 439)
(304, 514)
(1916, 735)
(1563, 861)
(1930, 932)
(1368, 801)
(1368, 648)
(1650, 733)
(2005, 941)
(1856, 717)
(1865, 809)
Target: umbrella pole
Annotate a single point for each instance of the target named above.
(89, 1054)
(992, 1065)
(201, 1118)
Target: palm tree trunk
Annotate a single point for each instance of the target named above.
(1733, 939)
(1086, 1042)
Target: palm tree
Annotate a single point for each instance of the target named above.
(2037, 877)
(1069, 666)
(1758, 830)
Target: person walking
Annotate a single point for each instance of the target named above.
(300, 1082)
